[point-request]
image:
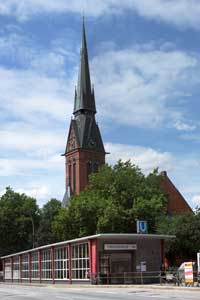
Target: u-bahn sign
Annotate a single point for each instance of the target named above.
(142, 227)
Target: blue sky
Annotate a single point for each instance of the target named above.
(145, 66)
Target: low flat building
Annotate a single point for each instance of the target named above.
(102, 258)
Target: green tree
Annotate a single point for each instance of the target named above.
(49, 211)
(19, 218)
(115, 198)
(79, 218)
(63, 226)
(186, 228)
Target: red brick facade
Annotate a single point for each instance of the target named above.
(77, 162)
(176, 202)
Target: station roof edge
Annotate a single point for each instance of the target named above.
(97, 236)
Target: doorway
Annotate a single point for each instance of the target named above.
(121, 267)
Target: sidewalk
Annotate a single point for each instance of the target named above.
(143, 286)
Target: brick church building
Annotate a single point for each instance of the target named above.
(85, 151)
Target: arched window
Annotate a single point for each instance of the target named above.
(69, 175)
(74, 177)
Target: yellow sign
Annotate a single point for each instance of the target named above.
(188, 269)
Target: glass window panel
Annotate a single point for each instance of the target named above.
(46, 264)
(34, 265)
(80, 261)
(25, 266)
(60, 263)
(8, 268)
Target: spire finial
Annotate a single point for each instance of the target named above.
(84, 44)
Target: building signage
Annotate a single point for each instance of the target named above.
(120, 247)
(142, 227)
(188, 269)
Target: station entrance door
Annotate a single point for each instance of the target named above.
(116, 267)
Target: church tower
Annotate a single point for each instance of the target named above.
(84, 152)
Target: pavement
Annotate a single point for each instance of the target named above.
(93, 292)
(89, 286)
(64, 292)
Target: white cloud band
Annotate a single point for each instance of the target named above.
(180, 13)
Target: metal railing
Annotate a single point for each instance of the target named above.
(154, 277)
(126, 278)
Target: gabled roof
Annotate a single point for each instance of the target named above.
(176, 202)
(87, 133)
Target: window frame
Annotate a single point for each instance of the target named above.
(80, 261)
(61, 263)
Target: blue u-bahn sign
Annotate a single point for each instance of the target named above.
(142, 227)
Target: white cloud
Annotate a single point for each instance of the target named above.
(41, 83)
(15, 46)
(42, 193)
(139, 82)
(44, 176)
(29, 167)
(24, 138)
(49, 63)
(36, 102)
(180, 13)
(28, 93)
(37, 192)
(183, 170)
(146, 158)
(140, 85)
(136, 88)
(196, 200)
(2, 192)
(182, 126)
(23, 9)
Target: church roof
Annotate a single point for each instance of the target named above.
(88, 133)
(84, 95)
(84, 125)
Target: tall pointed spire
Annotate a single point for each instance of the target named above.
(84, 96)
(84, 151)
(84, 43)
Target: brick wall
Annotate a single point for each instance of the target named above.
(176, 202)
(80, 158)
